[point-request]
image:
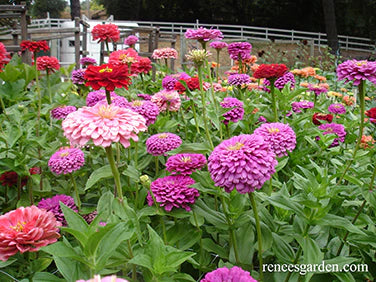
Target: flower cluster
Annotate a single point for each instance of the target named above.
(165, 53)
(167, 100)
(53, 205)
(173, 191)
(142, 65)
(34, 46)
(203, 34)
(281, 137)
(198, 56)
(10, 178)
(48, 64)
(66, 160)
(106, 32)
(317, 88)
(108, 76)
(357, 71)
(243, 162)
(123, 57)
(161, 143)
(98, 278)
(87, 61)
(239, 50)
(62, 112)
(237, 110)
(185, 164)
(4, 56)
(94, 97)
(304, 72)
(371, 113)
(270, 71)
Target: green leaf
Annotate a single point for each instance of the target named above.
(311, 251)
(6, 263)
(209, 245)
(281, 164)
(212, 216)
(70, 269)
(61, 249)
(46, 277)
(286, 203)
(142, 260)
(14, 134)
(282, 249)
(338, 222)
(40, 264)
(132, 172)
(98, 174)
(175, 258)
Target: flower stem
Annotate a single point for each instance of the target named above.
(217, 67)
(274, 100)
(195, 117)
(258, 229)
(156, 165)
(78, 200)
(361, 88)
(38, 118)
(108, 97)
(110, 156)
(49, 86)
(199, 232)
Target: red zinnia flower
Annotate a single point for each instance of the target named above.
(142, 65)
(47, 63)
(192, 83)
(26, 230)
(270, 71)
(9, 178)
(4, 56)
(106, 32)
(371, 113)
(107, 76)
(319, 116)
(34, 46)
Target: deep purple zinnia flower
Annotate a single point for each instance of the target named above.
(53, 205)
(66, 160)
(243, 162)
(282, 81)
(147, 109)
(218, 45)
(296, 106)
(87, 61)
(185, 164)
(337, 109)
(239, 79)
(239, 50)
(78, 76)
(90, 217)
(161, 143)
(334, 128)
(224, 274)
(280, 137)
(203, 34)
(94, 97)
(173, 191)
(237, 111)
(356, 71)
(62, 112)
(168, 82)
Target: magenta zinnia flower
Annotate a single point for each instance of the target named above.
(168, 82)
(218, 45)
(66, 160)
(173, 191)
(281, 137)
(356, 71)
(131, 40)
(87, 61)
(94, 97)
(337, 109)
(239, 79)
(78, 76)
(239, 50)
(224, 274)
(167, 100)
(203, 34)
(62, 112)
(334, 128)
(147, 109)
(97, 278)
(103, 124)
(53, 205)
(317, 89)
(185, 164)
(237, 111)
(282, 81)
(296, 106)
(243, 162)
(161, 143)
(26, 230)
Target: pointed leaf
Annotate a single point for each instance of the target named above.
(97, 175)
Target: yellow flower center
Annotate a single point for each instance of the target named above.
(361, 63)
(106, 69)
(329, 129)
(273, 130)
(19, 226)
(163, 135)
(235, 147)
(137, 103)
(107, 112)
(64, 154)
(186, 159)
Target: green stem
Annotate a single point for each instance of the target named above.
(195, 116)
(203, 101)
(217, 67)
(38, 118)
(163, 230)
(274, 100)
(108, 97)
(118, 151)
(240, 64)
(49, 86)
(30, 190)
(77, 194)
(108, 48)
(361, 88)
(199, 232)
(3, 108)
(134, 269)
(110, 156)
(231, 230)
(258, 229)
(156, 165)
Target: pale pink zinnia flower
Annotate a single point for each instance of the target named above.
(103, 124)
(165, 53)
(26, 230)
(167, 100)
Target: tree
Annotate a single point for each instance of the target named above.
(54, 7)
(75, 8)
(330, 25)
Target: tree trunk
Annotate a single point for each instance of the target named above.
(330, 25)
(75, 8)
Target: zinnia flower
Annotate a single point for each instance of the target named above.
(334, 128)
(87, 61)
(218, 45)
(271, 71)
(198, 56)
(371, 113)
(106, 32)
(4, 56)
(94, 97)
(48, 64)
(192, 83)
(281, 137)
(168, 82)
(165, 53)
(131, 40)
(103, 124)
(34, 46)
(237, 111)
(356, 71)
(161, 143)
(203, 34)
(53, 205)
(317, 89)
(167, 100)
(224, 274)
(243, 162)
(239, 79)
(319, 116)
(147, 109)
(97, 278)
(78, 76)
(142, 65)
(366, 142)
(282, 81)
(10, 178)
(239, 50)
(123, 57)
(185, 164)
(66, 160)
(173, 191)
(62, 112)
(107, 76)
(297, 106)
(337, 109)
(26, 230)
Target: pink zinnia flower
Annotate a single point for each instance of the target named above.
(97, 278)
(224, 274)
(94, 97)
(147, 109)
(48, 64)
(173, 191)
(123, 57)
(203, 34)
(239, 50)
(26, 230)
(334, 128)
(243, 162)
(185, 164)
(317, 89)
(356, 71)
(279, 136)
(106, 32)
(161, 143)
(238, 79)
(218, 45)
(297, 106)
(131, 40)
(337, 109)
(78, 76)
(62, 112)
(165, 53)
(53, 205)
(103, 124)
(66, 160)
(237, 110)
(282, 81)
(87, 61)
(167, 100)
